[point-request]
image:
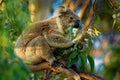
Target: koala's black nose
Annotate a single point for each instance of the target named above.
(77, 24)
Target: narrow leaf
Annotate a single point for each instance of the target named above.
(74, 55)
(83, 61)
(73, 61)
(70, 33)
(91, 62)
(76, 45)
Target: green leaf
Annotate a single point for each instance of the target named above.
(73, 61)
(97, 23)
(58, 57)
(91, 62)
(76, 45)
(70, 33)
(83, 58)
(73, 55)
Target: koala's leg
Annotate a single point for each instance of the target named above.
(38, 50)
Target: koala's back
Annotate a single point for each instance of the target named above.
(34, 30)
(32, 41)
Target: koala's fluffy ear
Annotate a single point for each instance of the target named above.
(60, 10)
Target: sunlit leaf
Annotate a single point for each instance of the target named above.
(96, 32)
(97, 23)
(3, 40)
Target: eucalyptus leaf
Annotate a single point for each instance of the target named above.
(73, 61)
(83, 58)
(73, 55)
(91, 62)
(71, 33)
(75, 46)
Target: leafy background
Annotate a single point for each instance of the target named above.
(105, 49)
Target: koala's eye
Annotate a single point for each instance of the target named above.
(71, 17)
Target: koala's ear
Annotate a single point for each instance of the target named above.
(60, 10)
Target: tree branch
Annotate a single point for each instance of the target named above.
(63, 70)
(67, 3)
(74, 6)
(89, 76)
(83, 9)
(89, 19)
(58, 69)
(80, 37)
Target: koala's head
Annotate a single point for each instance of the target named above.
(67, 18)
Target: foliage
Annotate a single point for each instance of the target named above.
(80, 56)
(112, 66)
(14, 16)
(79, 53)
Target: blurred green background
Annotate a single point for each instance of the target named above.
(15, 15)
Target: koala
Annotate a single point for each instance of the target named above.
(39, 40)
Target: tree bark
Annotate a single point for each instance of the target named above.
(67, 71)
